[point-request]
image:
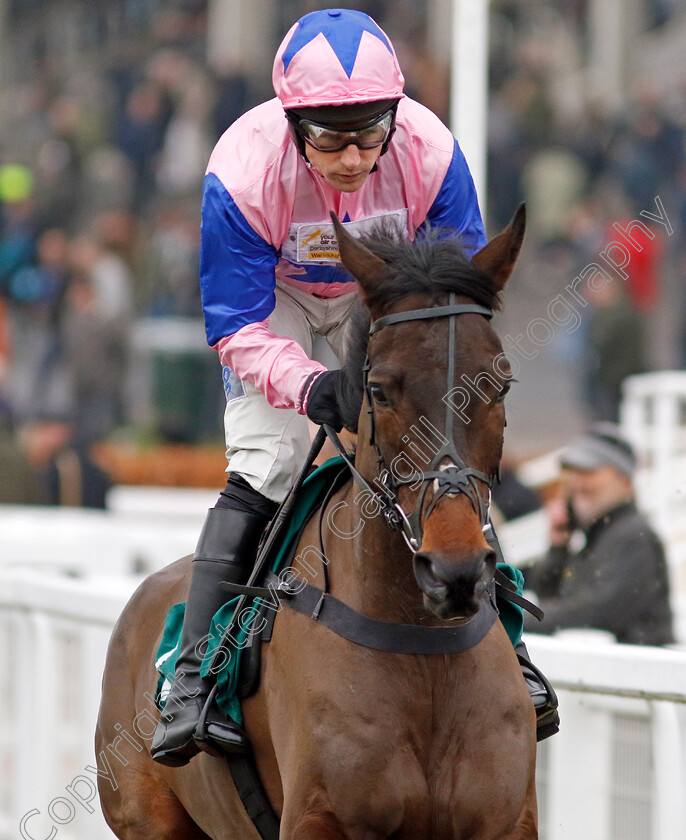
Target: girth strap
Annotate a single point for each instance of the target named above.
(387, 636)
(248, 784)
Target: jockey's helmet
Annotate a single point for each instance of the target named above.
(339, 81)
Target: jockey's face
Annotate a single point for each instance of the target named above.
(347, 169)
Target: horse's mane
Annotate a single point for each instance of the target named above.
(434, 265)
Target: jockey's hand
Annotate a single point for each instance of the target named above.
(322, 404)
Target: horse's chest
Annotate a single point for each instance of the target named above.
(401, 749)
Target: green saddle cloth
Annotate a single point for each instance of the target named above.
(311, 496)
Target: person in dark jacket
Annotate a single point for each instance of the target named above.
(64, 472)
(618, 579)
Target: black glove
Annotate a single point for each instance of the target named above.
(322, 402)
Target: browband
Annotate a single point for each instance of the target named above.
(430, 312)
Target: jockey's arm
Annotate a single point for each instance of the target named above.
(237, 283)
(278, 367)
(456, 205)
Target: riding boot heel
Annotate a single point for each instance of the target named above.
(542, 695)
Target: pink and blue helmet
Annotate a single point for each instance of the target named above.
(336, 57)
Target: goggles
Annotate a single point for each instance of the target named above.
(324, 138)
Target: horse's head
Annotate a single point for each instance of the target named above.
(430, 431)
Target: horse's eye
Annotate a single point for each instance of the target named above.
(378, 394)
(505, 390)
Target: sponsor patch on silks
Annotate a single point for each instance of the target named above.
(233, 386)
(315, 242)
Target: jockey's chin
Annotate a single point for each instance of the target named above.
(346, 170)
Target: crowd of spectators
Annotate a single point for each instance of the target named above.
(100, 180)
(582, 168)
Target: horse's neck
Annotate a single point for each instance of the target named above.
(375, 574)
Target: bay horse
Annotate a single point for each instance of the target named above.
(354, 743)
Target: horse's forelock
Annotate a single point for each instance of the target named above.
(434, 265)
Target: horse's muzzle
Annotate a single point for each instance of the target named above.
(454, 590)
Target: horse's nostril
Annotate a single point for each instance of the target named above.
(428, 579)
(489, 561)
(458, 583)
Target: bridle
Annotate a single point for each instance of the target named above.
(449, 478)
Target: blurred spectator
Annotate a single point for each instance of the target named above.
(36, 294)
(553, 182)
(17, 478)
(232, 98)
(643, 283)
(507, 152)
(648, 151)
(64, 473)
(58, 162)
(615, 349)
(17, 222)
(187, 145)
(618, 581)
(511, 498)
(96, 330)
(171, 264)
(140, 136)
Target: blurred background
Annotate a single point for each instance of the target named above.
(110, 398)
(109, 111)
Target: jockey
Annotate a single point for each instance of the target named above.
(340, 135)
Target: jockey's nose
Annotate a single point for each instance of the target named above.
(350, 157)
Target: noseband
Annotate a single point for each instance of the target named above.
(448, 472)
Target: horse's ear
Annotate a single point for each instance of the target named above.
(366, 268)
(497, 258)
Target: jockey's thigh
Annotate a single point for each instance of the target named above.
(268, 445)
(339, 317)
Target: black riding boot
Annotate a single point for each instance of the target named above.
(542, 693)
(226, 552)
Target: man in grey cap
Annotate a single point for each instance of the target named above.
(618, 581)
